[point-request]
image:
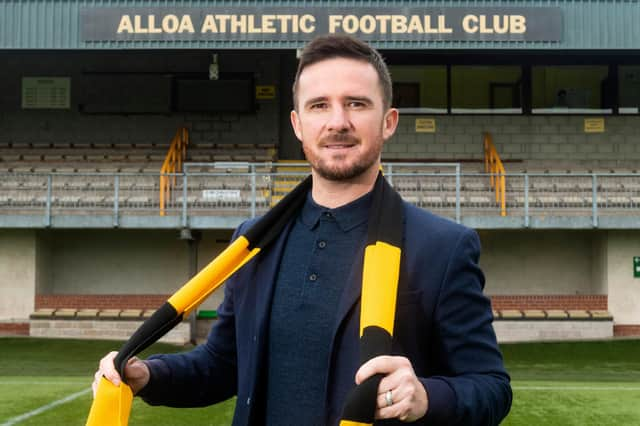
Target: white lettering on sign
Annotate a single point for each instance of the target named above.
(258, 24)
(498, 24)
(221, 195)
(383, 24)
(170, 24)
(367, 24)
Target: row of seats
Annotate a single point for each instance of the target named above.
(552, 314)
(506, 314)
(32, 156)
(91, 314)
(88, 194)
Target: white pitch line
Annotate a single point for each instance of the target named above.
(589, 388)
(44, 408)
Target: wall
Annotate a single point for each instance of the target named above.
(18, 259)
(532, 139)
(540, 262)
(121, 262)
(624, 289)
(580, 264)
(116, 262)
(532, 331)
(213, 242)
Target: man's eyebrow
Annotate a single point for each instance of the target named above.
(314, 100)
(363, 99)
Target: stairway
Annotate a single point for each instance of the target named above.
(287, 177)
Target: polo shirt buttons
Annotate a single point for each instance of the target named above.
(322, 244)
(313, 277)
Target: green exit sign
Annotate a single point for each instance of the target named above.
(636, 266)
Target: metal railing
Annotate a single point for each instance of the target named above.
(247, 190)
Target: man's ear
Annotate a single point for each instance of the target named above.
(295, 124)
(390, 123)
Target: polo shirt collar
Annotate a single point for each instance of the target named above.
(348, 216)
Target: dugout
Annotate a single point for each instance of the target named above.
(557, 86)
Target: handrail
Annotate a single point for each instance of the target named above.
(172, 164)
(493, 165)
(41, 199)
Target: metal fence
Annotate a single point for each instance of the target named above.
(248, 190)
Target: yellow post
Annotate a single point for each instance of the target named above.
(171, 165)
(497, 175)
(503, 201)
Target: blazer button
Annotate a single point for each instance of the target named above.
(249, 401)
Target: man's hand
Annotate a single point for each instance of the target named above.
(136, 372)
(407, 399)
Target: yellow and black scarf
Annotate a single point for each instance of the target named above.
(112, 404)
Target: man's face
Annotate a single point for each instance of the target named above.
(340, 118)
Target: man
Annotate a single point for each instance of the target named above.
(286, 342)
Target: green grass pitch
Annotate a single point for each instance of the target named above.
(584, 383)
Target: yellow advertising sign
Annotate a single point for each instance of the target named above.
(266, 92)
(594, 125)
(425, 125)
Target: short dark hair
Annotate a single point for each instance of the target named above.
(344, 46)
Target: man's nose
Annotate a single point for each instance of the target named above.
(338, 119)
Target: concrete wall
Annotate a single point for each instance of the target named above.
(530, 138)
(18, 260)
(213, 242)
(123, 261)
(557, 262)
(532, 331)
(43, 262)
(116, 262)
(101, 330)
(540, 262)
(624, 289)
(107, 262)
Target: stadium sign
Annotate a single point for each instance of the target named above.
(303, 23)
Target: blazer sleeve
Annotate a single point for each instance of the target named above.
(474, 387)
(203, 376)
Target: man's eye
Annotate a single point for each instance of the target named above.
(318, 106)
(356, 104)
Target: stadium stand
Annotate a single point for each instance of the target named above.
(65, 180)
(85, 127)
(77, 179)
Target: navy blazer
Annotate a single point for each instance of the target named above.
(443, 325)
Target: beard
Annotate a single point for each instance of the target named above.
(336, 168)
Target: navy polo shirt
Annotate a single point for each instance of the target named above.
(314, 269)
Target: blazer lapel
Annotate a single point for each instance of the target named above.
(350, 294)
